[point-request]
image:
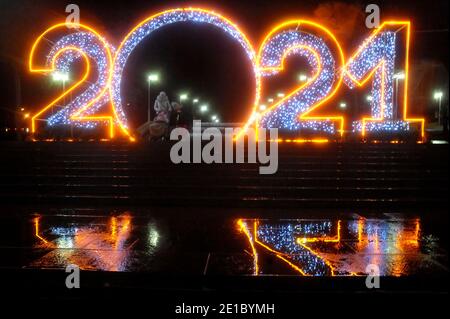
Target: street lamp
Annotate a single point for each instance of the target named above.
(183, 97)
(214, 117)
(397, 76)
(302, 77)
(203, 108)
(438, 96)
(151, 77)
(62, 77)
(270, 100)
(280, 95)
(195, 101)
(262, 107)
(342, 105)
(369, 98)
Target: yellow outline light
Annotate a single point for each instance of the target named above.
(207, 11)
(255, 119)
(381, 64)
(77, 114)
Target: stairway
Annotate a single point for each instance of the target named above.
(346, 175)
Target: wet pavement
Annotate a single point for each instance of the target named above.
(134, 221)
(320, 244)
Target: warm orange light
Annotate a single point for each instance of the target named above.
(381, 65)
(207, 11)
(243, 228)
(280, 68)
(277, 253)
(36, 230)
(305, 116)
(77, 115)
(315, 253)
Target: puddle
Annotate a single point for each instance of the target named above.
(342, 245)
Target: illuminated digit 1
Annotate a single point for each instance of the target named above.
(293, 111)
(375, 59)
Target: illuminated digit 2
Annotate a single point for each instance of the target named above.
(88, 44)
(293, 112)
(85, 44)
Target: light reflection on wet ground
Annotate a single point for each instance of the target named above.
(342, 247)
(224, 246)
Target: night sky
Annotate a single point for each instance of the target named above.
(204, 61)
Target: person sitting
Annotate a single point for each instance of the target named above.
(159, 128)
(180, 116)
(163, 108)
(177, 110)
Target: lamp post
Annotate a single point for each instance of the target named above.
(152, 77)
(63, 78)
(397, 76)
(194, 110)
(438, 96)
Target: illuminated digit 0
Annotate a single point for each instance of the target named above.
(153, 23)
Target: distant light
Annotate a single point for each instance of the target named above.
(438, 95)
(399, 75)
(203, 108)
(214, 117)
(342, 105)
(183, 97)
(439, 142)
(60, 77)
(153, 77)
(216, 120)
(27, 115)
(153, 237)
(302, 78)
(369, 98)
(270, 100)
(22, 109)
(195, 101)
(280, 95)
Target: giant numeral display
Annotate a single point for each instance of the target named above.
(297, 111)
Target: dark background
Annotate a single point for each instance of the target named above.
(204, 61)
